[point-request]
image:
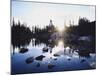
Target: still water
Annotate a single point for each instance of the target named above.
(56, 58)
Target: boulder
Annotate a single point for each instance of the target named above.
(23, 50)
(50, 66)
(29, 60)
(40, 58)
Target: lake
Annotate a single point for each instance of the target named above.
(37, 57)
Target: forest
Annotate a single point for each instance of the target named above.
(21, 34)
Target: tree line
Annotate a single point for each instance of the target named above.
(21, 34)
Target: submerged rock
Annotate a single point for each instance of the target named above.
(38, 65)
(56, 55)
(50, 66)
(23, 50)
(83, 60)
(40, 58)
(93, 64)
(55, 58)
(29, 60)
(69, 59)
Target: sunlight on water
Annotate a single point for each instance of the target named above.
(61, 43)
(59, 47)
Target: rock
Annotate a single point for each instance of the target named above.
(38, 65)
(29, 60)
(50, 66)
(23, 50)
(56, 55)
(83, 60)
(45, 49)
(55, 58)
(84, 53)
(85, 38)
(69, 59)
(40, 58)
(93, 64)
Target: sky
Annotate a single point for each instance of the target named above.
(33, 13)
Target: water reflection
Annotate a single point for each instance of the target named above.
(39, 54)
(53, 47)
(60, 43)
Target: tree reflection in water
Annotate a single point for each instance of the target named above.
(54, 47)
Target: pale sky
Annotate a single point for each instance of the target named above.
(33, 13)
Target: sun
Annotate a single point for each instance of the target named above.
(60, 28)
